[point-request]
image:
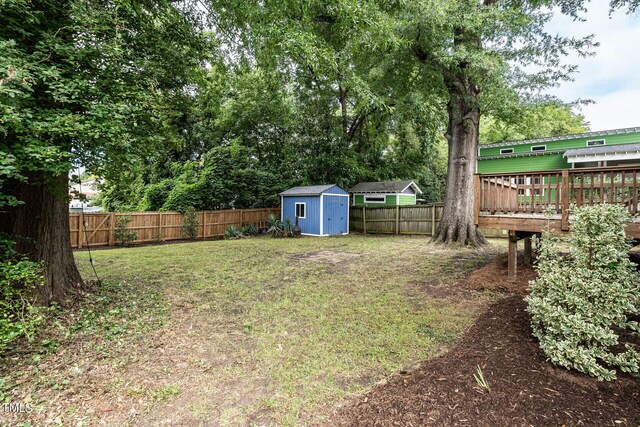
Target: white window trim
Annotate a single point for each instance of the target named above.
(604, 142)
(295, 210)
(384, 198)
(507, 151)
(536, 146)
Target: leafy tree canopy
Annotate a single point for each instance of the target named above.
(533, 121)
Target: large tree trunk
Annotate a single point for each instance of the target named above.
(41, 228)
(457, 225)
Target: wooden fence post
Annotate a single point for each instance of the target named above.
(476, 199)
(80, 229)
(398, 219)
(433, 219)
(158, 234)
(364, 219)
(162, 238)
(565, 199)
(112, 229)
(201, 219)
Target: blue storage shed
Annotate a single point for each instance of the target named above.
(322, 210)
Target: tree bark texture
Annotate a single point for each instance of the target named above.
(457, 225)
(40, 227)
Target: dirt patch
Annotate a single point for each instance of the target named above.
(493, 276)
(327, 256)
(525, 389)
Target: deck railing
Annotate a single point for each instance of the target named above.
(557, 190)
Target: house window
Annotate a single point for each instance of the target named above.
(374, 199)
(530, 182)
(527, 192)
(506, 151)
(538, 148)
(595, 142)
(522, 181)
(301, 210)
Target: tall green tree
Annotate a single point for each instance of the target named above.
(535, 120)
(84, 83)
(487, 55)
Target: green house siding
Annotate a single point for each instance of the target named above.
(523, 164)
(390, 200)
(405, 199)
(562, 144)
(553, 159)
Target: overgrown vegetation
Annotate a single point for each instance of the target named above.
(122, 235)
(104, 327)
(581, 305)
(19, 316)
(190, 223)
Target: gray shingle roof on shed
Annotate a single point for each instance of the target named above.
(603, 149)
(383, 187)
(307, 190)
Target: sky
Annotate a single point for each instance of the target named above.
(611, 78)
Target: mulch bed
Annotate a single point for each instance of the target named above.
(493, 276)
(525, 389)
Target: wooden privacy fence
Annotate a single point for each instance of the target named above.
(418, 219)
(99, 229)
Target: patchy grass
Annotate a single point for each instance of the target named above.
(246, 332)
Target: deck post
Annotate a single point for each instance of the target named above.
(565, 199)
(527, 251)
(513, 254)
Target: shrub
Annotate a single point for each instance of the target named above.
(190, 223)
(233, 233)
(579, 304)
(250, 230)
(276, 228)
(287, 227)
(183, 196)
(155, 195)
(19, 317)
(122, 235)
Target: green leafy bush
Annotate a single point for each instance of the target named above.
(155, 195)
(19, 317)
(250, 230)
(276, 228)
(123, 236)
(190, 223)
(183, 196)
(287, 227)
(580, 304)
(233, 233)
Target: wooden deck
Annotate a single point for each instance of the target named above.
(521, 202)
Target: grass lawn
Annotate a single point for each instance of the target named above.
(256, 331)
